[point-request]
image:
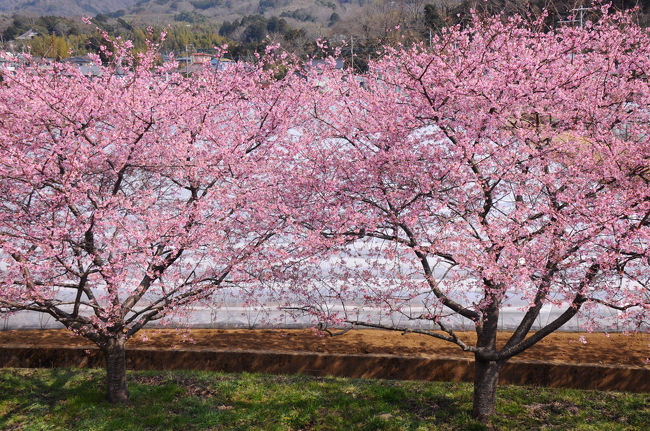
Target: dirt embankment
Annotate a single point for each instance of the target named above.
(615, 349)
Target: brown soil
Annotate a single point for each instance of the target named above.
(618, 349)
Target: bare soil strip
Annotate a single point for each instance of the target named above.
(616, 349)
(614, 362)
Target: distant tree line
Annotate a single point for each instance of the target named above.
(59, 37)
(380, 23)
(55, 25)
(252, 33)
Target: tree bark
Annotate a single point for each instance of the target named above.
(115, 353)
(486, 372)
(486, 378)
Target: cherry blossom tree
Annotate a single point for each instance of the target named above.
(505, 163)
(131, 195)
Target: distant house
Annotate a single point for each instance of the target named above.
(197, 61)
(83, 60)
(8, 59)
(29, 34)
(221, 63)
(90, 70)
(8, 64)
(200, 58)
(186, 66)
(319, 64)
(85, 65)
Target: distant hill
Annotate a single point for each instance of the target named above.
(314, 15)
(365, 19)
(300, 10)
(300, 13)
(64, 7)
(323, 12)
(557, 9)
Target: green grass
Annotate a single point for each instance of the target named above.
(64, 399)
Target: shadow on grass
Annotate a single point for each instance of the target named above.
(31, 393)
(65, 399)
(74, 399)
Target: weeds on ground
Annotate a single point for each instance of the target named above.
(62, 399)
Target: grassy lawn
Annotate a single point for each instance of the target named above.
(62, 399)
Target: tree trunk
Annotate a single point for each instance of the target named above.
(486, 373)
(486, 378)
(114, 351)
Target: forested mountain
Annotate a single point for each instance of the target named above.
(248, 26)
(300, 10)
(313, 15)
(558, 10)
(64, 7)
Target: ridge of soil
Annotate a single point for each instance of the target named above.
(600, 348)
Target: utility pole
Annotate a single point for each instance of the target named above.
(430, 38)
(352, 52)
(581, 16)
(582, 13)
